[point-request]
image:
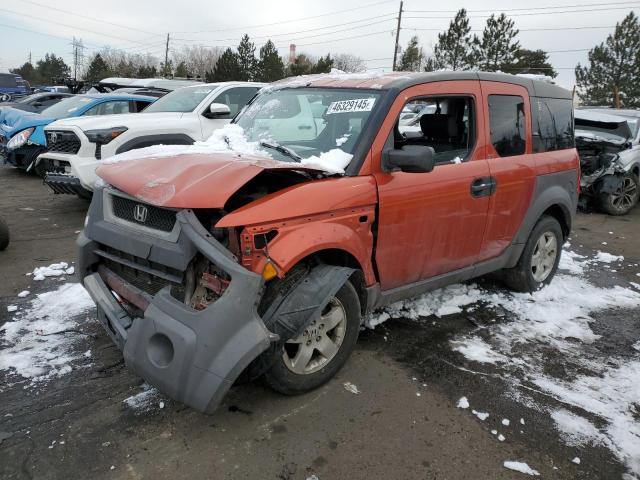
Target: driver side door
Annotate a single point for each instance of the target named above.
(431, 223)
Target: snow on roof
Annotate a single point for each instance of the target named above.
(338, 78)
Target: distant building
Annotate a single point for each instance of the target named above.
(292, 53)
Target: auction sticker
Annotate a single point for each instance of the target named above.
(355, 105)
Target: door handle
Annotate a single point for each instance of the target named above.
(483, 187)
(304, 127)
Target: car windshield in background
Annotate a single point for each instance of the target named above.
(308, 121)
(182, 100)
(66, 107)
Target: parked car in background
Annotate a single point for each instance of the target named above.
(36, 102)
(178, 118)
(609, 158)
(265, 255)
(22, 136)
(12, 87)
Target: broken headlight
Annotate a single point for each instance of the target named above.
(20, 138)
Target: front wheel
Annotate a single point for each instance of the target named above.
(624, 198)
(314, 357)
(4, 234)
(540, 257)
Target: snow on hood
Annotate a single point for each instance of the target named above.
(231, 139)
(598, 116)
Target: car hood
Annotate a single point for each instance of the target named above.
(13, 120)
(130, 120)
(600, 126)
(189, 180)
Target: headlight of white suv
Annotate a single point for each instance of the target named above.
(20, 138)
(104, 135)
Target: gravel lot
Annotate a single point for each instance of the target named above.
(87, 416)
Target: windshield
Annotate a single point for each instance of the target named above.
(634, 125)
(66, 107)
(308, 122)
(182, 100)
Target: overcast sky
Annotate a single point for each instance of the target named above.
(316, 27)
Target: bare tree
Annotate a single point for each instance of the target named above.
(349, 63)
(197, 59)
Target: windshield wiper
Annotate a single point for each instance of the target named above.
(283, 150)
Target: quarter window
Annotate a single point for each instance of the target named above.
(507, 123)
(552, 120)
(109, 108)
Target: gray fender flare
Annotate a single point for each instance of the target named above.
(293, 310)
(148, 140)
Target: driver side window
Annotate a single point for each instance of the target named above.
(235, 99)
(447, 124)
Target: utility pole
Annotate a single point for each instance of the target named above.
(395, 51)
(29, 57)
(78, 55)
(166, 58)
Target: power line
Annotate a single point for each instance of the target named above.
(345, 38)
(292, 20)
(68, 12)
(527, 8)
(390, 15)
(417, 29)
(67, 25)
(537, 13)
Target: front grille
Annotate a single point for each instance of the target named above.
(150, 277)
(62, 141)
(143, 214)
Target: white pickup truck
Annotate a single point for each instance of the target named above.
(75, 146)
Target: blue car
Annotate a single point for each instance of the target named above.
(22, 133)
(12, 87)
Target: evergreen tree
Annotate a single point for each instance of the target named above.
(51, 68)
(412, 57)
(146, 71)
(614, 66)
(454, 48)
(247, 62)
(26, 71)
(301, 65)
(98, 69)
(227, 68)
(323, 65)
(181, 70)
(270, 66)
(530, 61)
(498, 45)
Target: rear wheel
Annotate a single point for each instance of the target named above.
(311, 359)
(624, 198)
(540, 257)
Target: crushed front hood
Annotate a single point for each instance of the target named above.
(188, 180)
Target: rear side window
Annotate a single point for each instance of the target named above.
(507, 123)
(552, 120)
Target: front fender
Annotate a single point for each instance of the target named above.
(349, 232)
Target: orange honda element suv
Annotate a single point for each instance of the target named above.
(349, 192)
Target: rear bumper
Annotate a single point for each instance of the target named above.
(192, 356)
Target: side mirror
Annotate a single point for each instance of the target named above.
(410, 159)
(217, 110)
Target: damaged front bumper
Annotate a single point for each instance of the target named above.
(193, 356)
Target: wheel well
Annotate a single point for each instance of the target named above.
(636, 170)
(557, 212)
(342, 258)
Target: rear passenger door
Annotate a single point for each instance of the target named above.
(512, 164)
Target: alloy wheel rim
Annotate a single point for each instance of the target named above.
(319, 343)
(544, 256)
(624, 196)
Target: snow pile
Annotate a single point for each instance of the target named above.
(521, 467)
(53, 270)
(231, 139)
(463, 403)
(350, 387)
(38, 342)
(537, 76)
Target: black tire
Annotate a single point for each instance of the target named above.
(4, 235)
(283, 380)
(39, 168)
(624, 198)
(521, 277)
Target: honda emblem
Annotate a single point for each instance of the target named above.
(140, 213)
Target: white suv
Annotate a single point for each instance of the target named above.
(75, 146)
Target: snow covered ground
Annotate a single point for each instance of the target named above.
(600, 394)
